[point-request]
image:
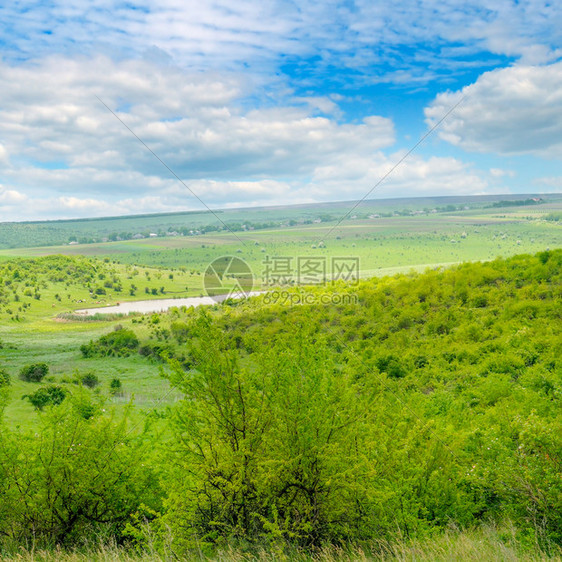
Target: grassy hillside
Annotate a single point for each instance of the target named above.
(34, 289)
(387, 411)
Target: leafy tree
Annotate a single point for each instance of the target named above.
(90, 380)
(267, 450)
(121, 342)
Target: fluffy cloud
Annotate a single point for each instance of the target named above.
(515, 110)
(551, 183)
(11, 197)
(50, 114)
(499, 173)
(251, 103)
(415, 177)
(75, 158)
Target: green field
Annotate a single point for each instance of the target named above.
(383, 245)
(422, 401)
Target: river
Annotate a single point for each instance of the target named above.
(156, 305)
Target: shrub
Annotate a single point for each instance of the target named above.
(180, 331)
(82, 478)
(115, 387)
(252, 472)
(45, 396)
(34, 373)
(90, 380)
(5, 379)
(120, 343)
(480, 301)
(391, 365)
(160, 351)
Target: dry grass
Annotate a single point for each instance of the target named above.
(488, 543)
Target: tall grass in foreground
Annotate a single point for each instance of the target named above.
(487, 543)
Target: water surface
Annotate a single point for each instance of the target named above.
(156, 305)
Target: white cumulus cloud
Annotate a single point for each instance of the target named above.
(514, 110)
(75, 158)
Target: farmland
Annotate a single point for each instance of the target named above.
(52, 233)
(398, 236)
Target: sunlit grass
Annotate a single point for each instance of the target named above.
(487, 543)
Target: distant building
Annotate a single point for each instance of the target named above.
(153, 235)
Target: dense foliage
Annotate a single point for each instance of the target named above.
(5, 379)
(79, 475)
(430, 400)
(120, 342)
(25, 284)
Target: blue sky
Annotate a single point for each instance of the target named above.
(273, 103)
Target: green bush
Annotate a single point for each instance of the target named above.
(45, 396)
(120, 343)
(180, 331)
(274, 451)
(5, 379)
(73, 479)
(115, 386)
(90, 380)
(34, 373)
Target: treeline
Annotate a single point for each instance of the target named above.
(433, 400)
(518, 202)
